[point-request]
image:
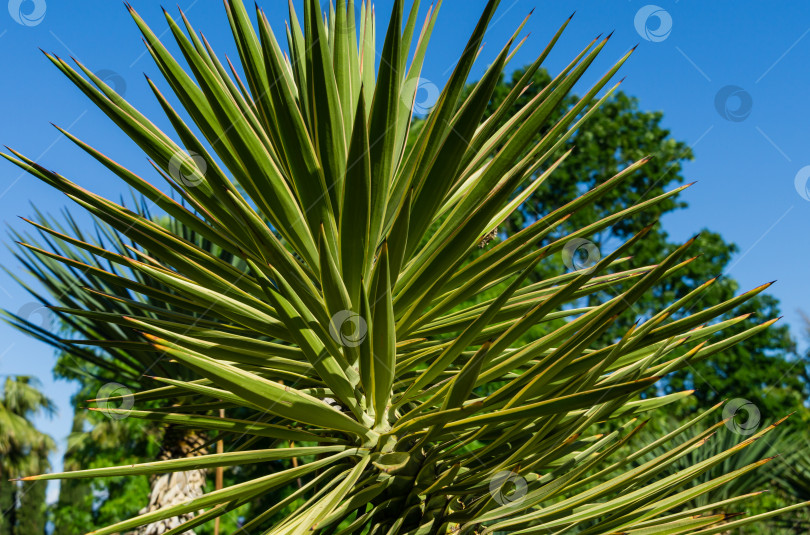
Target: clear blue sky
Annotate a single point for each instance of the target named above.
(746, 167)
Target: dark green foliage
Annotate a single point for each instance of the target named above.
(31, 517)
(8, 492)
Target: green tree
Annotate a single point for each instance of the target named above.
(73, 511)
(22, 448)
(32, 515)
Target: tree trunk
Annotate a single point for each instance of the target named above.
(175, 488)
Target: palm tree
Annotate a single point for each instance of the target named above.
(22, 447)
(356, 325)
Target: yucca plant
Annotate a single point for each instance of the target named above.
(351, 326)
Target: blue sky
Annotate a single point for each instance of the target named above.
(730, 77)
